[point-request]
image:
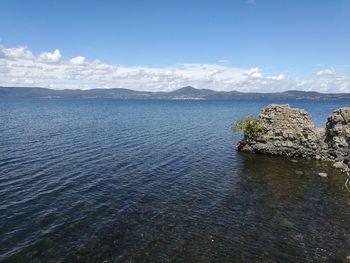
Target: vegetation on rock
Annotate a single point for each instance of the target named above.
(250, 127)
(291, 132)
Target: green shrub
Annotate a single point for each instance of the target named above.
(250, 127)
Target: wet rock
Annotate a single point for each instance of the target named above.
(322, 174)
(286, 223)
(339, 165)
(291, 132)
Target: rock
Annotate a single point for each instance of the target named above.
(322, 174)
(286, 223)
(337, 134)
(299, 172)
(291, 132)
(339, 165)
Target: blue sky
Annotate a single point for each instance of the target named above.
(293, 38)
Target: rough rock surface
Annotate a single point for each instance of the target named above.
(338, 134)
(291, 132)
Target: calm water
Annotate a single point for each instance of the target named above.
(156, 181)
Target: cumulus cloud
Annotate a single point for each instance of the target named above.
(79, 60)
(47, 57)
(19, 67)
(327, 72)
(253, 73)
(17, 53)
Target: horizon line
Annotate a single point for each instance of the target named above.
(145, 91)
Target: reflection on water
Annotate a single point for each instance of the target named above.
(124, 181)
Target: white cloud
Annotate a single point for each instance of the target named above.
(79, 60)
(278, 77)
(19, 67)
(327, 72)
(48, 57)
(17, 53)
(253, 73)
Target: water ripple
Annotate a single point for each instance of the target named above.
(158, 181)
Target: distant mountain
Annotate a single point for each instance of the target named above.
(186, 93)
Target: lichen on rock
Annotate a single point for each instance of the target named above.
(291, 132)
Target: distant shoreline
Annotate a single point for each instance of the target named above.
(186, 93)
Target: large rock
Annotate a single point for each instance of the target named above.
(291, 132)
(338, 134)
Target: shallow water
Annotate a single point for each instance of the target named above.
(95, 180)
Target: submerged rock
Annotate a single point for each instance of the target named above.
(322, 174)
(291, 132)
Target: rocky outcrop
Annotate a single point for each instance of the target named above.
(338, 134)
(291, 132)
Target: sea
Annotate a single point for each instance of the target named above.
(160, 181)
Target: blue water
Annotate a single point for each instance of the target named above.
(116, 181)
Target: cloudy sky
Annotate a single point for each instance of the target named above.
(261, 45)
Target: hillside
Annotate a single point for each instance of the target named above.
(185, 93)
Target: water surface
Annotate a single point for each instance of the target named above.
(155, 181)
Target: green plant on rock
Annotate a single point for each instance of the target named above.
(249, 126)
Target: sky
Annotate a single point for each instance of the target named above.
(162, 45)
